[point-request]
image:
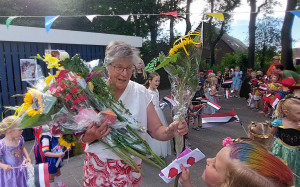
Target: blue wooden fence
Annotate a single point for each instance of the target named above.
(12, 52)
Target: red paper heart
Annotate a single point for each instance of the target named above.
(191, 161)
(173, 172)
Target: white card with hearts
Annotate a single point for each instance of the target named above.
(188, 159)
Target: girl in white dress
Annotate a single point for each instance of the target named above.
(160, 148)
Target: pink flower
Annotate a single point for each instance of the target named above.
(58, 94)
(73, 107)
(59, 89)
(62, 85)
(75, 89)
(77, 101)
(68, 96)
(227, 141)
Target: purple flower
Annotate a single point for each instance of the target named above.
(90, 75)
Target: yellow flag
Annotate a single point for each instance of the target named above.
(219, 16)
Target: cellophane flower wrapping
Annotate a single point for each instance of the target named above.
(182, 65)
(73, 98)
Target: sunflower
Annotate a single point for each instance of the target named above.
(67, 140)
(33, 103)
(181, 43)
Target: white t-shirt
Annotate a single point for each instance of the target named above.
(136, 98)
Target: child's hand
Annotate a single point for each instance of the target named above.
(7, 167)
(28, 160)
(199, 98)
(185, 177)
(61, 155)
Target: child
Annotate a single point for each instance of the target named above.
(139, 73)
(273, 87)
(219, 77)
(209, 94)
(256, 92)
(252, 84)
(160, 148)
(236, 81)
(243, 164)
(12, 153)
(287, 127)
(296, 90)
(226, 76)
(194, 109)
(52, 151)
(261, 133)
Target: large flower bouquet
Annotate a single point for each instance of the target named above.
(73, 98)
(182, 65)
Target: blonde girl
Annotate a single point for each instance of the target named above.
(160, 148)
(13, 171)
(139, 73)
(210, 94)
(287, 128)
(261, 133)
(243, 164)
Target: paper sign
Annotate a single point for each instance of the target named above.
(187, 158)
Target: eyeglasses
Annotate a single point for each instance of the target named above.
(120, 69)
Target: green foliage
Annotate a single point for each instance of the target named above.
(236, 59)
(297, 69)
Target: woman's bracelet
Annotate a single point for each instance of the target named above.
(81, 139)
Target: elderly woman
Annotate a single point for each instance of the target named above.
(101, 166)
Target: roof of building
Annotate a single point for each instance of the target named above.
(234, 43)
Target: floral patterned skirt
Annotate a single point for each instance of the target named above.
(109, 172)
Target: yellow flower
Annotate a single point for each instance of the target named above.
(182, 43)
(51, 61)
(65, 143)
(90, 84)
(33, 103)
(48, 79)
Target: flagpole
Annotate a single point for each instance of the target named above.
(244, 128)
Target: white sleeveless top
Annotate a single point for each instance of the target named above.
(136, 98)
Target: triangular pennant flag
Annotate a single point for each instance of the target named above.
(219, 16)
(91, 17)
(296, 13)
(48, 22)
(125, 17)
(9, 20)
(175, 13)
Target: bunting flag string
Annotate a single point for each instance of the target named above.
(50, 19)
(219, 16)
(296, 13)
(9, 20)
(174, 14)
(48, 22)
(91, 17)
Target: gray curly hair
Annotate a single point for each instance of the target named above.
(118, 50)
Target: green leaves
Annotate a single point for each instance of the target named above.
(37, 120)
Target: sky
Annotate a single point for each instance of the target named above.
(239, 25)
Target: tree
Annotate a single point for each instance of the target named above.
(286, 38)
(267, 39)
(213, 36)
(187, 17)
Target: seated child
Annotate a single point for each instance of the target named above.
(240, 164)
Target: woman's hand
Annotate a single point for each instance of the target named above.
(175, 127)
(185, 177)
(94, 132)
(6, 167)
